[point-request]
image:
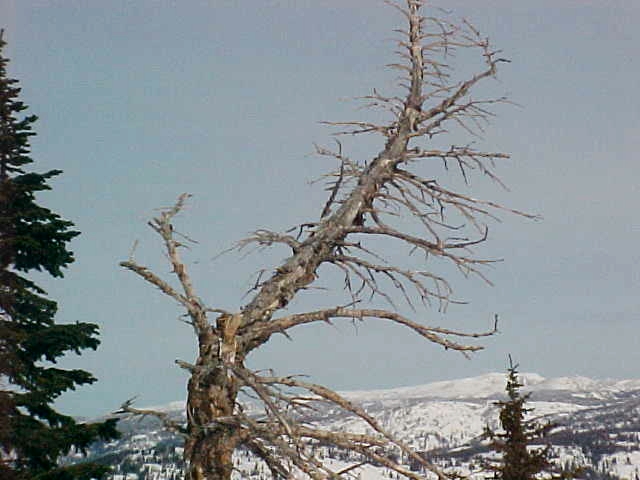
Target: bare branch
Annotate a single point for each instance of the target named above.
(336, 185)
(433, 334)
(397, 275)
(466, 264)
(266, 238)
(338, 400)
(152, 278)
(164, 417)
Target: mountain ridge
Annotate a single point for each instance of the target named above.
(597, 426)
(488, 385)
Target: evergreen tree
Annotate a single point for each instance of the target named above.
(518, 461)
(33, 435)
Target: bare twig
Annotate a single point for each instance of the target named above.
(170, 424)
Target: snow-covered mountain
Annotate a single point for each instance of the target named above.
(598, 426)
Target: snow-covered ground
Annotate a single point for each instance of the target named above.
(599, 427)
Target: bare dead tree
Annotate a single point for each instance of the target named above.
(366, 198)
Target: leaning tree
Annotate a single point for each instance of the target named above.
(386, 197)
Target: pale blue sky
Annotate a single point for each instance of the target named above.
(141, 101)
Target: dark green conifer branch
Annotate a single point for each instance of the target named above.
(34, 435)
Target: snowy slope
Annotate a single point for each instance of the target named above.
(598, 426)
